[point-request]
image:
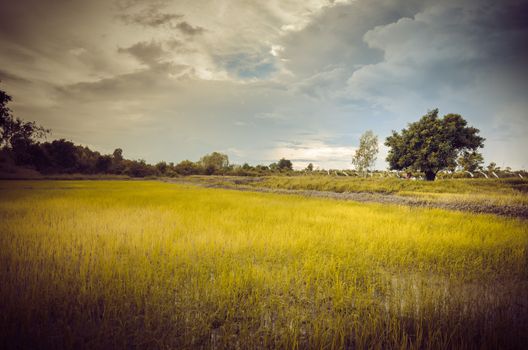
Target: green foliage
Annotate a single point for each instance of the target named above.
(392, 185)
(103, 164)
(140, 168)
(118, 155)
(492, 195)
(186, 167)
(470, 161)
(285, 164)
(365, 155)
(431, 144)
(15, 133)
(214, 162)
(162, 168)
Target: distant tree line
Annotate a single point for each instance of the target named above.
(21, 145)
(65, 157)
(428, 147)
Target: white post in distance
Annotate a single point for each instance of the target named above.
(483, 173)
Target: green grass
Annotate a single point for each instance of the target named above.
(490, 191)
(398, 186)
(109, 264)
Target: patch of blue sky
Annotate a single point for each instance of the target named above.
(246, 66)
(260, 71)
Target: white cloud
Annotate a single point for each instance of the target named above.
(276, 50)
(319, 153)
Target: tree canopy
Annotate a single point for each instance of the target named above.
(432, 144)
(470, 161)
(13, 131)
(285, 164)
(367, 151)
(214, 162)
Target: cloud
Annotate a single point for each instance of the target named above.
(149, 53)
(325, 84)
(334, 37)
(150, 17)
(177, 79)
(6, 76)
(276, 50)
(318, 152)
(449, 45)
(188, 29)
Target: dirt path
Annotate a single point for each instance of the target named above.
(516, 211)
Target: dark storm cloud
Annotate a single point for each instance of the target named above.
(150, 83)
(390, 47)
(149, 53)
(37, 24)
(151, 17)
(188, 29)
(154, 15)
(9, 77)
(124, 5)
(448, 45)
(335, 37)
(145, 13)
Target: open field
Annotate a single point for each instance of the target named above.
(512, 187)
(508, 197)
(137, 264)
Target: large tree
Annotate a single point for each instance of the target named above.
(432, 144)
(285, 164)
(366, 153)
(214, 162)
(14, 132)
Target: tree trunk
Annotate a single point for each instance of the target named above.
(430, 175)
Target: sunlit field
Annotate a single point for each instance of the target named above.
(512, 190)
(506, 197)
(136, 264)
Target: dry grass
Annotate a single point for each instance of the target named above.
(505, 187)
(152, 265)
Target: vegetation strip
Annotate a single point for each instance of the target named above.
(515, 211)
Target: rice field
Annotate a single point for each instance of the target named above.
(150, 265)
(512, 190)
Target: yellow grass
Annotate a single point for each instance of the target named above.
(395, 185)
(112, 264)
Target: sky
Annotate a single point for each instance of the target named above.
(262, 80)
